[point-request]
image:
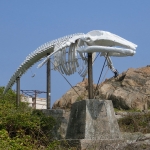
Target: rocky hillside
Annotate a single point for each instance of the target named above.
(130, 90)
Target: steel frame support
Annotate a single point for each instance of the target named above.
(90, 76)
(48, 93)
(18, 91)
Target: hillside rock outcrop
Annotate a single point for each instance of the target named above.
(130, 90)
(71, 96)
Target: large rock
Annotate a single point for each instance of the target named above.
(71, 96)
(130, 90)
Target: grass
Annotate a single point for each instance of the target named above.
(135, 123)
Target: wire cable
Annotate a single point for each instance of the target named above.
(95, 58)
(67, 81)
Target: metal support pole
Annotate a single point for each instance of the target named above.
(90, 76)
(34, 100)
(18, 91)
(48, 84)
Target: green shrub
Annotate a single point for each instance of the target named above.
(23, 128)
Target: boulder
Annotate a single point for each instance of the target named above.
(130, 90)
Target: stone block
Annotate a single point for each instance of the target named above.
(62, 118)
(84, 144)
(93, 119)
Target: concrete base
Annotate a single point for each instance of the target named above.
(93, 119)
(89, 120)
(93, 144)
(62, 118)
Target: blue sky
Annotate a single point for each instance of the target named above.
(25, 25)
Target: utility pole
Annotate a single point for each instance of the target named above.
(34, 100)
(18, 91)
(90, 76)
(48, 84)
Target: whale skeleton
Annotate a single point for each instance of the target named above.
(92, 42)
(69, 53)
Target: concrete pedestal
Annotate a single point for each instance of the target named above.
(83, 144)
(93, 119)
(90, 125)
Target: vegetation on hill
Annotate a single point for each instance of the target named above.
(135, 122)
(23, 128)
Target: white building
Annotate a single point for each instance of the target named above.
(38, 103)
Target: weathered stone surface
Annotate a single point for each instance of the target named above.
(132, 136)
(62, 118)
(86, 144)
(93, 119)
(130, 90)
